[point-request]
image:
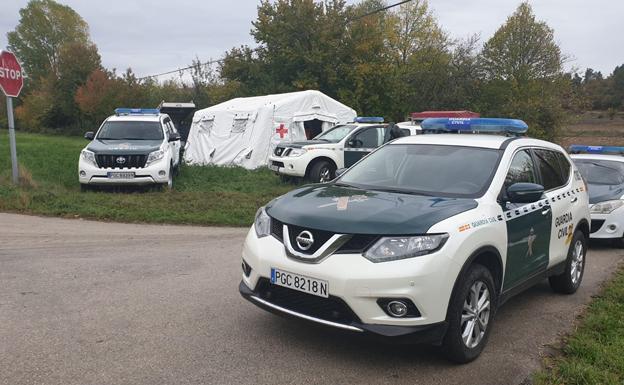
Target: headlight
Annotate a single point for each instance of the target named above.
(88, 156)
(393, 248)
(297, 152)
(154, 156)
(606, 207)
(262, 224)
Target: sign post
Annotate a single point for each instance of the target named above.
(11, 83)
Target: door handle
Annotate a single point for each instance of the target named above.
(574, 200)
(546, 211)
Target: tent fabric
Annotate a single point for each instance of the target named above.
(244, 131)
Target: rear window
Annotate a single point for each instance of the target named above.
(549, 167)
(601, 172)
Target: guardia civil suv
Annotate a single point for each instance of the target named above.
(424, 239)
(132, 147)
(341, 146)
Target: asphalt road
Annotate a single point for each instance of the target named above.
(86, 302)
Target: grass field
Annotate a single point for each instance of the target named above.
(201, 195)
(594, 353)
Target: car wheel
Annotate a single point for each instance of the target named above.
(570, 280)
(169, 184)
(322, 171)
(470, 316)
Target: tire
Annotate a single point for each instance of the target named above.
(467, 314)
(322, 171)
(570, 280)
(169, 185)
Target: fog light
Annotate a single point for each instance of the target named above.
(612, 227)
(397, 308)
(162, 172)
(82, 173)
(291, 166)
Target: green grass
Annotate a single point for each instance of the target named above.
(226, 196)
(594, 353)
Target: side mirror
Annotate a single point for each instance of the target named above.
(173, 137)
(340, 171)
(525, 192)
(89, 135)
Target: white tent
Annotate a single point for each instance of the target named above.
(244, 131)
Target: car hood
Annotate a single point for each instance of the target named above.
(355, 211)
(127, 147)
(600, 192)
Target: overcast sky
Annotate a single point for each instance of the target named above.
(154, 36)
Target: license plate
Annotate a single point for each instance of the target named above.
(273, 167)
(298, 282)
(120, 175)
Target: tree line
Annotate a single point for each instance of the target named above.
(386, 63)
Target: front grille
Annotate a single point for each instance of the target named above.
(596, 224)
(320, 238)
(278, 164)
(358, 243)
(277, 229)
(331, 309)
(129, 161)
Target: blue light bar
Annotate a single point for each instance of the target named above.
(137, 111)
(369, 119)
(578, 148)
(475, 125)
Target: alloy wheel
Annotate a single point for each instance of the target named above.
(475, 314)
(577, 262)
(325, 175)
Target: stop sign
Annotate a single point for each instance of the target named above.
(11, 81)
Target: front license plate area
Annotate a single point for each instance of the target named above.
(273, 168)
(299, 282)
(120, 175)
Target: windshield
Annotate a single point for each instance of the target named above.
(603, 172)
(336, 134)
(131, 130)
(437, 170)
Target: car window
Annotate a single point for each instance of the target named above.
(426, 169)
(566, 167)
(337, 133)
(368, 138)
(130, 130)
(601, 172)
(549, 168)
(521, 169)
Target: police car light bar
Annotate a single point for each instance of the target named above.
(369, 119)
(578, 148)
(136, 111)
(475, 125)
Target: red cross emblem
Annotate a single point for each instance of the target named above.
(282, 130)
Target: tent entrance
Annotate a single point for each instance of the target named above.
(312, 128)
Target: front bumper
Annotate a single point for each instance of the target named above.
(426, 281)
(608, 226)
(155, 173)
(290, 166)
(425, 334)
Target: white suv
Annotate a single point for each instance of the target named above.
(132, 147)
(424, 239)
(339, 147)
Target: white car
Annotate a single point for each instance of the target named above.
(424, 239)
(132, 147)
(341, 146)
(604, 174)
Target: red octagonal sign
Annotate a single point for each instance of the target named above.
(11, 80)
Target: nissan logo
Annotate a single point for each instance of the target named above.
(120, 160)
(305, 240)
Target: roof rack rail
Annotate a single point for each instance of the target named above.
(136, 111)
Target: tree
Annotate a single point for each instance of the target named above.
(44, 27)
(522, 68)
(523, 49)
